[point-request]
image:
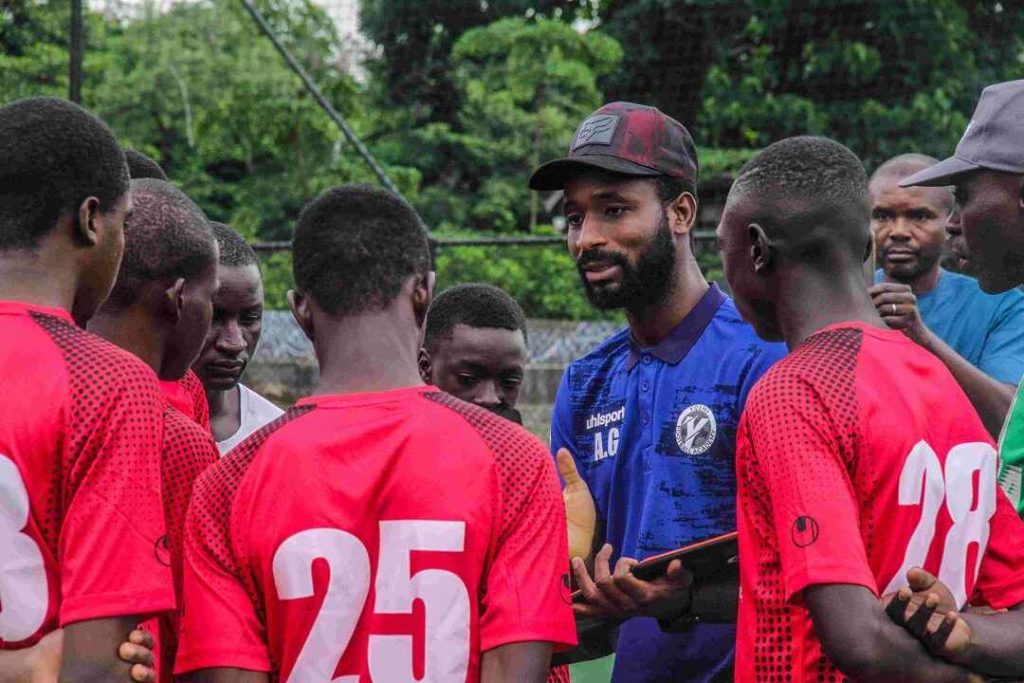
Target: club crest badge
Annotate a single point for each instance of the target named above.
(696, 429)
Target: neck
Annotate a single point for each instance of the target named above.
(923, 283)
(811, 300)
(220, 401)
(36, 279)
(365, 353)
(651, 324)
(133, 330)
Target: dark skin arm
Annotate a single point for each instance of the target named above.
(91, 653)
(990, 397)
(527, 662)
(986, 641)
(866, 645)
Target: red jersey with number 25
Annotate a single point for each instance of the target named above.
(858, 457)
(81, 514)
(391, 536)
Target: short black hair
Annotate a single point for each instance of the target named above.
(167, 237)
(808, 192)
(475, 305)
(53, 156)
(669, 188)
(142, 166)
(354, 248)
(234, 249)
(904, 164)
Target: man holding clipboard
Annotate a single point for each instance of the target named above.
(649, 417)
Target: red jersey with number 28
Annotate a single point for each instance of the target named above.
(392, 536)
(858, 457)
(81, 514)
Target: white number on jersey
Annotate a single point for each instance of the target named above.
(23, 589)
(444, 595)
(923, 482)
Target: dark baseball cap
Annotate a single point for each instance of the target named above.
(994, 139)
(622, 137)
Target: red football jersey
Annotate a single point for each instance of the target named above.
(81, 512)
(189, 397)
(858, 457)
(187, 451)
(388, 536)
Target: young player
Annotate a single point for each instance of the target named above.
(408, 534)
(858, 456)
(160, 310)
(81, 419)
(474, 347)
(236, 411)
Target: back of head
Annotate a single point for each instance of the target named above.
(810, 195)
(234, 249)
(168, 237)
(903, 165)
(141, 166)
(53, 156)
(474, 305)
(355, 247)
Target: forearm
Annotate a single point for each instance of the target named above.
(526, 662)
(990, 397)
(16, 666)
(996, 643)
(866, 645)
(90, 650)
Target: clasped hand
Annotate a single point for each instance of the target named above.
(620, 594)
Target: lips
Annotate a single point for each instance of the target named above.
(226, 367)
(900, 255)
(599, 272)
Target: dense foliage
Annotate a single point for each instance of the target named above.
(459, 99)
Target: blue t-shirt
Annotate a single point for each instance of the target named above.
(986, 329)
(653, 433)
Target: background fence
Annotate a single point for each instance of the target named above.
(457, 100)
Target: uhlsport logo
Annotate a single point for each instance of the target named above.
(598, 420)
(696, 429)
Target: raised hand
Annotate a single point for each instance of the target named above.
(580, 513)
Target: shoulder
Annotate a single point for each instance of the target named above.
(183, 435)
(735, 340)
(596, 361)
(98, 367)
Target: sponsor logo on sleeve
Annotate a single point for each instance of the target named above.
(805, 531)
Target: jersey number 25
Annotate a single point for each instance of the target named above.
(443, 593)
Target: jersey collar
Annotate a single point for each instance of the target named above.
(680, 340)
(9, 307)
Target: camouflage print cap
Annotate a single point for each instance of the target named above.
(622, 137)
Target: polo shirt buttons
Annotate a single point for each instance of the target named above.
(645, 385)
(645, 418)
(647, 359)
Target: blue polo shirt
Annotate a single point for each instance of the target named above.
(987, 330)
(653, 433)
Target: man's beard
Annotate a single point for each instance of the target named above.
(641, 286)
(909, 272)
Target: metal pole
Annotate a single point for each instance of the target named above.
(382, 176)
(76, 45)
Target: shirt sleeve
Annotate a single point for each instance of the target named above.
(527, 597)
(1002, 357)
(1000, 583)
(219, 623)
(114, 520)
(796, 458)
(561, 418)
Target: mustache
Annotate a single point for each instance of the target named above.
(601, 257)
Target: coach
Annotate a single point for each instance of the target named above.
(987, 223)
(650, 415)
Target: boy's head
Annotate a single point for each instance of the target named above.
(169, 271)
(142, 166)
(800, 206)
(474, 346)
(237, 313)
(359, 250)
(63, 186)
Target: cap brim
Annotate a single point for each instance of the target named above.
(555, 174)
(941, 174)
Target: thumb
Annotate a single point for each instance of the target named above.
(919, 579)
(567, 468)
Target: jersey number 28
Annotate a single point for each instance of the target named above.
(923, 482)
(443, 593)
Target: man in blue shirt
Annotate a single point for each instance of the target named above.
(979, 336)
(650, 415)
